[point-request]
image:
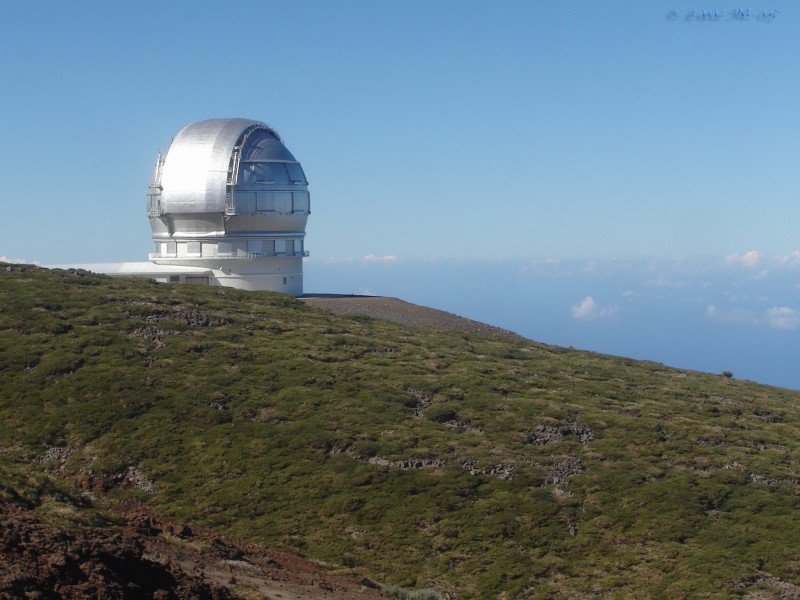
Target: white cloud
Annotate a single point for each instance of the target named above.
(663, 282)
(15, 261)
(763, 274)
(748, 259)
(547, 266)
(777, 317)
(591, 266)
(371, 258)
(782, 317)
(588, 310)
(332, 260)
(739, 315)
(790, 260)
(754, 259)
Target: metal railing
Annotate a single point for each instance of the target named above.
(226, 256)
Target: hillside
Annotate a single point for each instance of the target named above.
(474, 464)
(404, 313)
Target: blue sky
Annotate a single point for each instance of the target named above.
(456, 133)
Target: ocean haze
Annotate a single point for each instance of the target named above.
(739, 313)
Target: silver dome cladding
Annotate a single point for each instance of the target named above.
(200, 166)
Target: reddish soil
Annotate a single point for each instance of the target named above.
(148, 557)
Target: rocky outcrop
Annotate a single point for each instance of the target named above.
(562, 469)
(154, 312)
(423, 398)
(500, 470)
(550, 434)
(45, 561)
(144, 556)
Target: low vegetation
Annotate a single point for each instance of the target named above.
(456, 465)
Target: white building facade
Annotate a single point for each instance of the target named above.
(228, 198)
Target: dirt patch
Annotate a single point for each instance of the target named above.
(148, 557)
(405, 313)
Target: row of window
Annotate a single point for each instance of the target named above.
(232, 249)
(251, 173)
(249, 202)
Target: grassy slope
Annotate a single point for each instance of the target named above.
(258, 415)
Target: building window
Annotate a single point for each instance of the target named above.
(263, 172)
(296, 174)
(283, 201)
(266, 202)
(300, 202)
(196, 280)
(245, 202)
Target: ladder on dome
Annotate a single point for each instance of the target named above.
(154, 207)
(233, 169)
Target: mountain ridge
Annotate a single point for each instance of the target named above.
(404, 313)
(476, 465)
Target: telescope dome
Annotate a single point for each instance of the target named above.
(228, 195)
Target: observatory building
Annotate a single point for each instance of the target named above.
(228, 205)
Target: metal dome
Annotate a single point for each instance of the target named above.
(228, 195)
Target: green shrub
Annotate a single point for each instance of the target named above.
(297, 429)
(441, 413)
(392, 591)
